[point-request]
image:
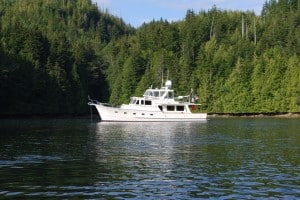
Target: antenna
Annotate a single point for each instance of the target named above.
(162, 79)
(168, 74)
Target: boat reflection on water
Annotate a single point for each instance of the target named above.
(144, 150)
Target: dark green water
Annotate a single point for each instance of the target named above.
(220, 158)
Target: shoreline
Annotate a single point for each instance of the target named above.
(94, 116)
(253, 115)
(45, 116)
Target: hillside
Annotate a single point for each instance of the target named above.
(53, 54)
(50, 55)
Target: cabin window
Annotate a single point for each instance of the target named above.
(142, 102)
(170, 95)
(156, 93)
(170, 108)
(148, 102)
(160, 108)
(180, 108)
(125, 113)
(137, 102)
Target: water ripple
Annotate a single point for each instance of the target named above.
(220, 159)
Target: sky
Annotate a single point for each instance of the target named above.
(136, 12)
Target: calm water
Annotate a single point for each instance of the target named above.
(220, 158)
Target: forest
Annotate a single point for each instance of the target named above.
(56, 53)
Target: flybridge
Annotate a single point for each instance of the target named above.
(163, 93)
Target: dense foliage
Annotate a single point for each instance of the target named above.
(54, 53)
(50, 55)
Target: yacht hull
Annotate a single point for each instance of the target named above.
(108, 113)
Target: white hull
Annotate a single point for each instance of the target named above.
(107, 113)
